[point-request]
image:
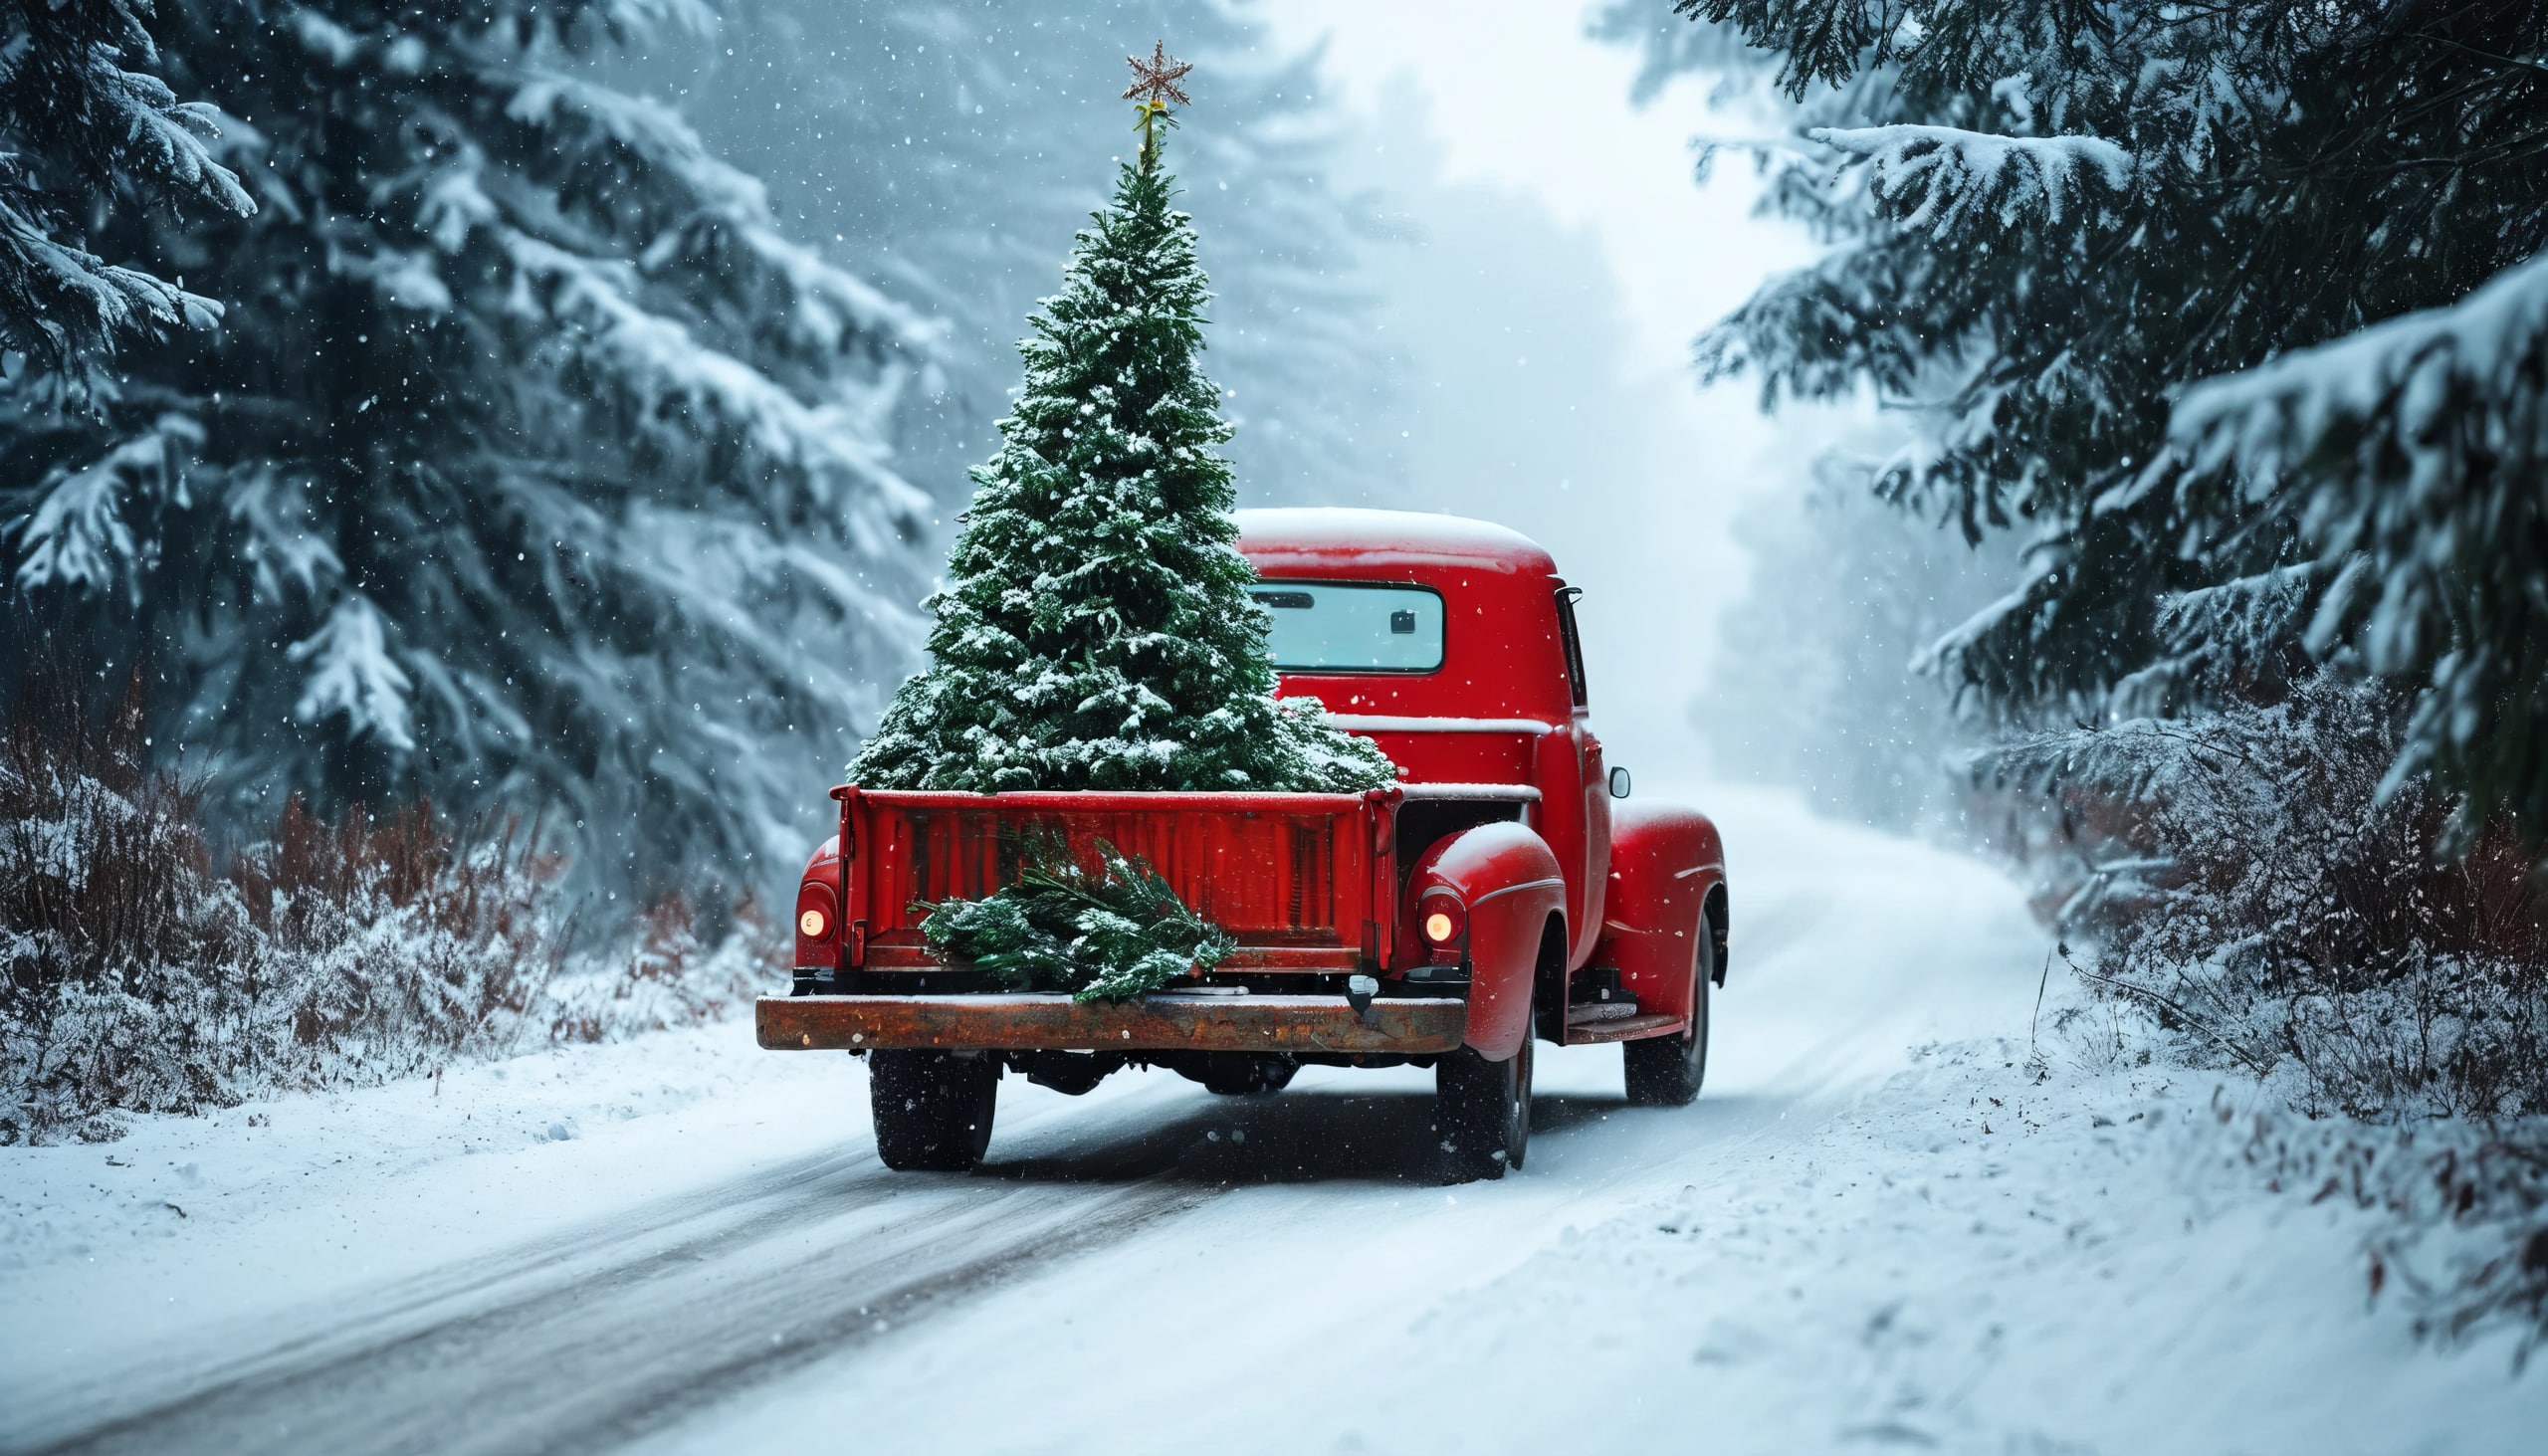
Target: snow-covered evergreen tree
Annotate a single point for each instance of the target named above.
(941, 141)
(85, 127)
(1096, 630)
(532, 465)
(2048, 220)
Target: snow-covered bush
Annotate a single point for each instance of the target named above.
(674, 975)
(2243, 878)
(2466, 1243)
(141, 970)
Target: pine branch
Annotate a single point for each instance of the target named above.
(1111, 933)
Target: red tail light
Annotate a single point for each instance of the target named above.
(817, 925)
(1441, 920)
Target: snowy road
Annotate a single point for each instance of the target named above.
(682, 1244)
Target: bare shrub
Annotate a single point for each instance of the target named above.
(142, 971)
(2269, 894)
(2257, 881)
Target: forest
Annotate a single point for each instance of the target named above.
(469, 472)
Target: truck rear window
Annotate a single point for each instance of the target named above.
(1353, 627)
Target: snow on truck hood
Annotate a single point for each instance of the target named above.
(1333, 537)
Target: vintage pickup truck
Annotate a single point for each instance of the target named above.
(1493, 898)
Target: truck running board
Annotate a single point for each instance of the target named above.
(1027, 1021)
(1652, 1023)
(1586, 1013)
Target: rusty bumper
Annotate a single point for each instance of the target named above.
(1035, 1021)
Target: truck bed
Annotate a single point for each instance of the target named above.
(1303, 882)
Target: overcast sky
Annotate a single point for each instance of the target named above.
(1521, 98)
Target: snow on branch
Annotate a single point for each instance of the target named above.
(2222, 638)
(351, 673)
(77, 536)
(645, 127)
(80, 129)
(2396, 393)
(2043, 563)
(69, 301)
(658, 363)
(280, 538)
(2416, 447)
(1938, 177)
(820, 304)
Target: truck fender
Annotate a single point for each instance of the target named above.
(1509, 884)
(1667, 868)
(820, 889)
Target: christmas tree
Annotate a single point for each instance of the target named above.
(1096, 630)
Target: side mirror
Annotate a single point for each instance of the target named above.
(1618, 783)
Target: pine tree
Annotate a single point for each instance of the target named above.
(934, 140)
(2049, 221)
(1096, 630)
(80, 134)
(532, 466)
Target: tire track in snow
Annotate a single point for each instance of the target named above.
(584, 1342)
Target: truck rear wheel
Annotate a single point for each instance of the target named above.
(1665, 1071)
(1482, 1112)
(932, 1108)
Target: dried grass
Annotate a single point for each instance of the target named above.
(2253, 880)
(2258, 886)
(140, 970)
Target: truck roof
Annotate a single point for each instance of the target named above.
(1355, 540)
(1502, 660)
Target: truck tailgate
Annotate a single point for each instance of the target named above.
(1302, 881)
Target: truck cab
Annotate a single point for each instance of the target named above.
(1507, 891)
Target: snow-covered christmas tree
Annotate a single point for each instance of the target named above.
(1096, 630)
(931, 146)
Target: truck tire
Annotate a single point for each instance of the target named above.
(1482, 1112)
(1665, 1071)
(932, 1108)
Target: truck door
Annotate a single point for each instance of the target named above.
(1593, 790)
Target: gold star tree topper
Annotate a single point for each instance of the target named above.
(1155, 82)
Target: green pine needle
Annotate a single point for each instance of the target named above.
(1108, 935)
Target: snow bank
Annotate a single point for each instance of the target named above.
(1991, 1254)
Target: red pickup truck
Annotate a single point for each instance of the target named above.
(1493, 898)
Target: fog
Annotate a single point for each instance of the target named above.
(1541, 289)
